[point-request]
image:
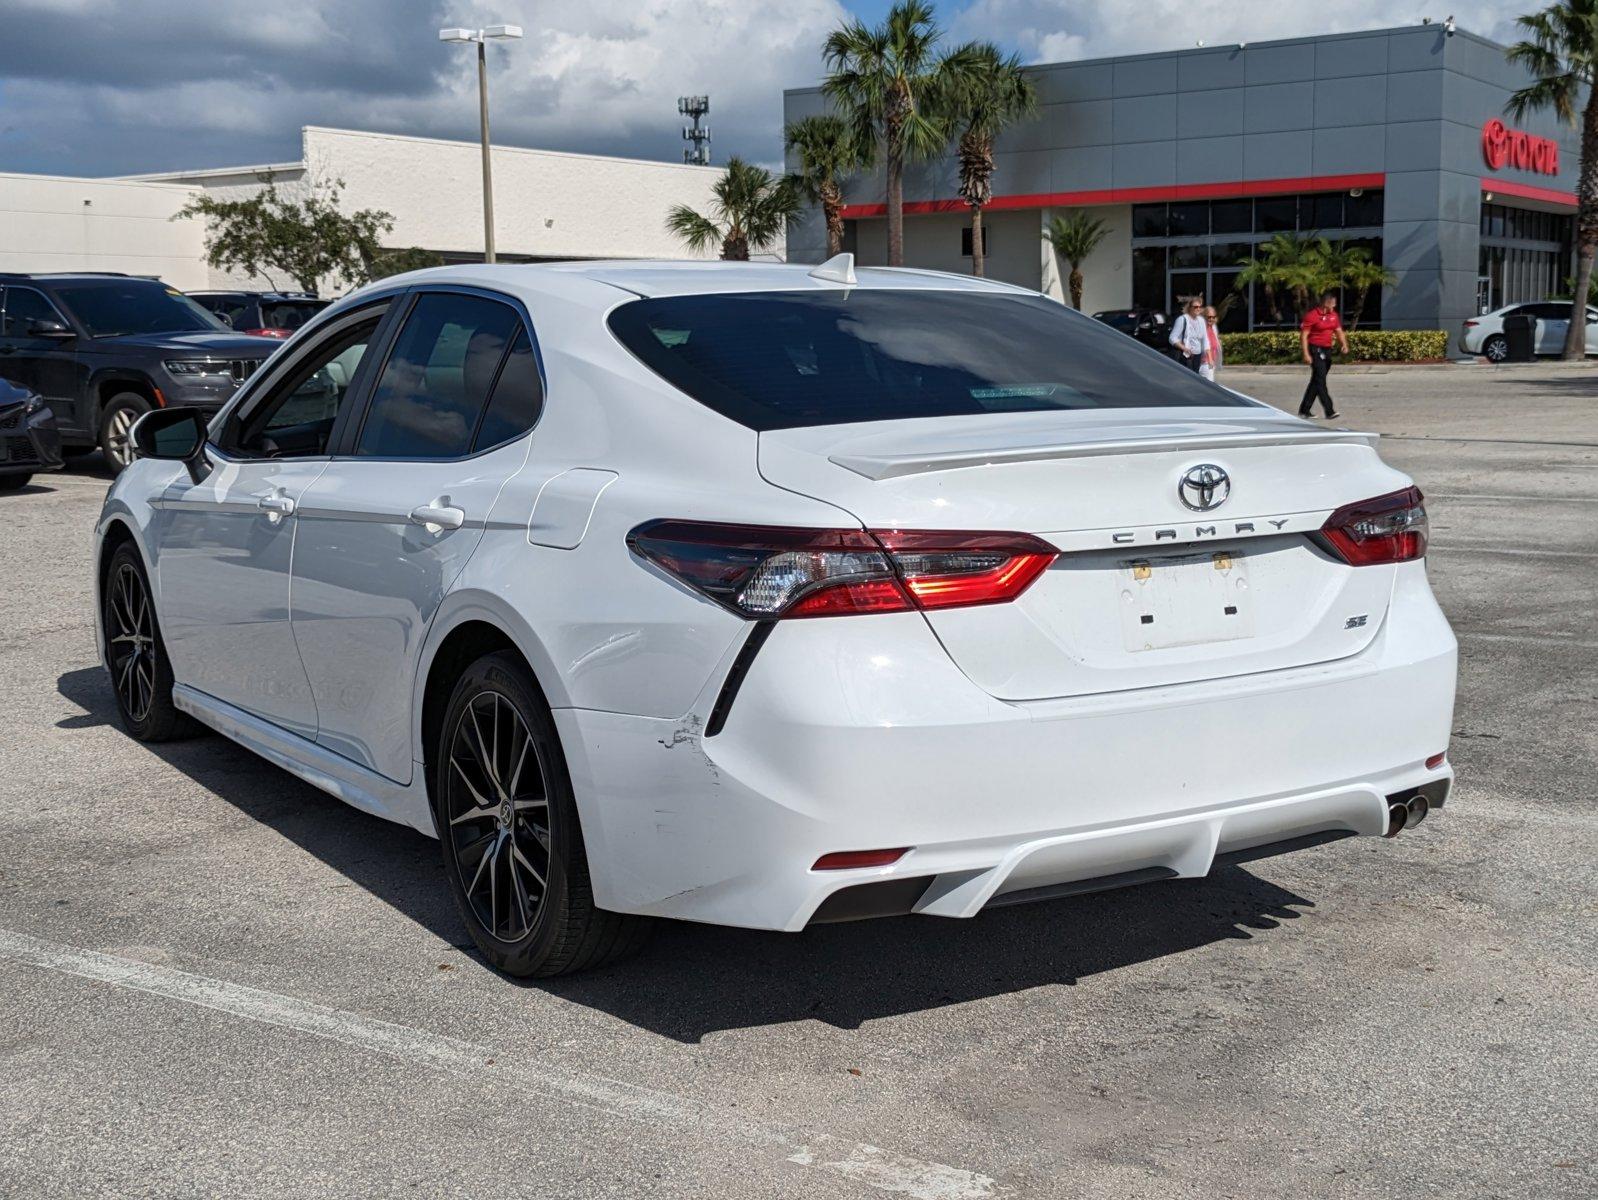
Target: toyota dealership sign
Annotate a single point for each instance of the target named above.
(1504, 147)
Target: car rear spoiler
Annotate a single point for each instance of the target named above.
(891, 466)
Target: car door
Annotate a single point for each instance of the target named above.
(1592, 331)
(225, 543)
(387, 528)
(1553, 322)
(46, 365)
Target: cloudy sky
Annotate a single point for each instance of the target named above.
(101, 87)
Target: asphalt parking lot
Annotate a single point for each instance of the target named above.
(216, 980)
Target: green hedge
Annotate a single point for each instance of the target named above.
(1365, 345)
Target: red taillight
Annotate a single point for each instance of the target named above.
(1470, 324)
(845, 860)
(761, 571)
(1436, 761)
(947, 570)
(280, 334)
(1388, 529)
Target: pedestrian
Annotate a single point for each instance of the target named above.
(1212, 355)
(1315, 336)
(1189, 335)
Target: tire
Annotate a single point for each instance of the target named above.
(1496, 348)
(135, 655)
(116, 421)
(14, 483)
(512, 844)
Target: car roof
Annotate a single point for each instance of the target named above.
(652, 278)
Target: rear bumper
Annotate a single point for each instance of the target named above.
(860, 733)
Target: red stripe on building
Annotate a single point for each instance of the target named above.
(1526, 191)
(1144, 195)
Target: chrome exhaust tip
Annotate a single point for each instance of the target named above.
(1418, 807)
(1397, 818)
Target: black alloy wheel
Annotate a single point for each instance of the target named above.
(135, 655)
(497, 801)
(130, 639)
(508, 826)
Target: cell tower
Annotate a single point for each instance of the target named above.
(695, 107)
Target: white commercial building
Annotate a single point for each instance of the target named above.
(547, 204)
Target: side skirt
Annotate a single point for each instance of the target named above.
(321, 768)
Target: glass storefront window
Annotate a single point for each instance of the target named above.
(1148, 277)
(1229, 254)
(1321, 213)
(1274, 214)
(1232, 216)
(1148, 220)
(1363, 211)
(1190, 220)
(1199, 245)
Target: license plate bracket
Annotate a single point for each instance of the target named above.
(1185, 600)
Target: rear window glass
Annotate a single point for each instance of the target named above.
(779, 360)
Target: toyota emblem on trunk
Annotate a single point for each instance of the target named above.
(1204, 487)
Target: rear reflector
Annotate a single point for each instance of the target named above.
(845, 860)
(763, 572)
(1387, 529)
(1436, 761)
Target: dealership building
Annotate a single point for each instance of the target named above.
(1396, 140)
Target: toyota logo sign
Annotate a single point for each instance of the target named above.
(1503, 147)
(1204, 487)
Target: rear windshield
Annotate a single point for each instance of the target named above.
(779, 360)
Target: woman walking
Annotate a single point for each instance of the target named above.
(1189, 335)
(1212, 352)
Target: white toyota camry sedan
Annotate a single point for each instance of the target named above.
(768, 595)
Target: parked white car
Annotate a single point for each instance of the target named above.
(1484, 335)
(765, 595)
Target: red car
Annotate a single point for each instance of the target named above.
(263, 314)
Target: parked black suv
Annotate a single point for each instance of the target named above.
(102, 349)
(264, 314)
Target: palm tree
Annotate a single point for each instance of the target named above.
(885, 81)
(1288, 263)
(1561, 50)
(1359, 278)
(986, 91)
(750, 211)
(1074, 238)
(828, 151)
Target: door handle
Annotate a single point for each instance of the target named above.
(437, 517)
(276, 507)
(8, 349)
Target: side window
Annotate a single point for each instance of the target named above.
(295, 420)
(437, 380)
(517, 399)
(24, 306)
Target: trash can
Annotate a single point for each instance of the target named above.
(1520, 333)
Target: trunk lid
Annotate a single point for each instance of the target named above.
(1147, 591)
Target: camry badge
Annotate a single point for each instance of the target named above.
(1204, 487)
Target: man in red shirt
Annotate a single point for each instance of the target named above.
(1321, 325)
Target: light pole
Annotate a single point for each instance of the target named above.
(482, 37)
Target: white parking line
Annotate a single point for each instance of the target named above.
(867, 1164)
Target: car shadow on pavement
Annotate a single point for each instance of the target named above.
(694, 980)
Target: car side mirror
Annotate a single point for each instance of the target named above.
(172, 434)
(45, 327)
